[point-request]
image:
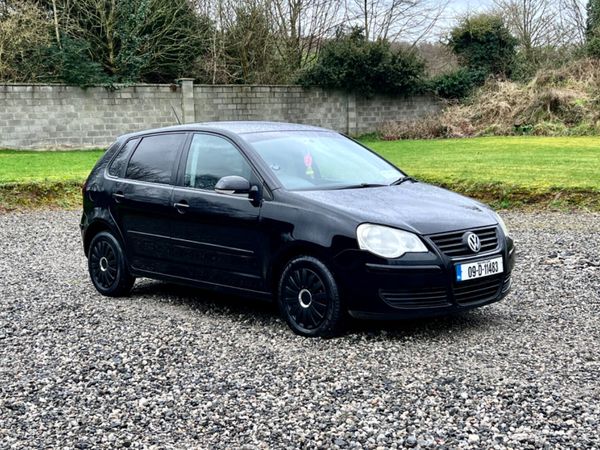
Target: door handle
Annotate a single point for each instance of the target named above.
(118, 196)
(181, 206)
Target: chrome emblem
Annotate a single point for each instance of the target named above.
(472, 241)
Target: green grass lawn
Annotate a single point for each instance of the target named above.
(529, 162)
(17, 166)
(503, 171)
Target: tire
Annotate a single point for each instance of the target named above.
(309, 300)
(107, 267)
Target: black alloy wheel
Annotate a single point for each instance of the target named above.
(107, 268)
(309, 299)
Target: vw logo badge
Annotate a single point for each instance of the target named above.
(472, 241)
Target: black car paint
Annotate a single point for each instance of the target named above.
(240, 245)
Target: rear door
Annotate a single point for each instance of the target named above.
(216, 237)
(141, 200)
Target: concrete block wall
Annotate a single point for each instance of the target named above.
(58, 116)
(278, 103)
(371, 112)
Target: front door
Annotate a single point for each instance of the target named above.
(216, 237)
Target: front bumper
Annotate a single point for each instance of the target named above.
(417, 285)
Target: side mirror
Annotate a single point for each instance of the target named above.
(233, 185)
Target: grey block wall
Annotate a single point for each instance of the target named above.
(58, 116)
(279, 103)
(372, 112)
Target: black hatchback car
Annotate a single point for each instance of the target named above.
(300, 214)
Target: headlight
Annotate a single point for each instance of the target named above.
(502, 225)
(388, 242)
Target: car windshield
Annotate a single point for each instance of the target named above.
(314, 160)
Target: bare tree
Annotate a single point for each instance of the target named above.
(573, 20)
(438, 58)
(301, 26)
(533, 22)
(151, 39)
(297, 29)
(395, 20)
(24, 30)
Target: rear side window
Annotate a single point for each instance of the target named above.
(153, 160)
(117, 166)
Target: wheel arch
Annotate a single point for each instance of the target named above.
(292, 251)
(93, 229)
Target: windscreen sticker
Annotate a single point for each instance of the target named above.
(308, 161)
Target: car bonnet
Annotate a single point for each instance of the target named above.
(417, 207)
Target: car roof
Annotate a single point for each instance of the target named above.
(236, 127)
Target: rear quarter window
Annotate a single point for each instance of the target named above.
(119, 162)
(154, 158)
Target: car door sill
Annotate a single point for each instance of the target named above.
(197, 283)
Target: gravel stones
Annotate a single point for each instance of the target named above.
(172, 367)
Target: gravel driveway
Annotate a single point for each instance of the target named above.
(171, 367)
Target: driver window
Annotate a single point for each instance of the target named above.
(211, 158)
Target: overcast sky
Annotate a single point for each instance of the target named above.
(458, 8)
(463, 6)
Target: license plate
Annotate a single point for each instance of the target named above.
(479, 269)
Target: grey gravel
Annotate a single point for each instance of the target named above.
(172, 367)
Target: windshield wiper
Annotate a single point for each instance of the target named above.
(402, 180)
(363, 185)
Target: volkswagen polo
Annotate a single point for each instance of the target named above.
(302, 215)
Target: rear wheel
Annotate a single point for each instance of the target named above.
(309, 299)
(107, 268)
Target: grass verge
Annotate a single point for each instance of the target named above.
(26, 166)
(506, 196)
(505, 172)
(35, 179)
(44, 194)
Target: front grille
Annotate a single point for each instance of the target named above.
(433, 297)
(452, 244)
(478, 290)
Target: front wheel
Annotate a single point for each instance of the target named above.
(106, 264)
(309, 299)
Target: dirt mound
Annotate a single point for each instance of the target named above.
(562, 101)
